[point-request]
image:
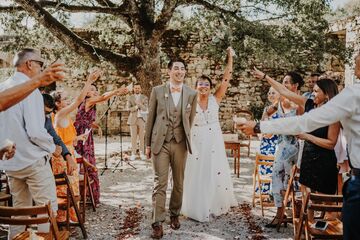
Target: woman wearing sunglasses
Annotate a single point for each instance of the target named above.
(208, 189)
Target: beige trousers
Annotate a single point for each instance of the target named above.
(172, 154)
(35, 182)
(137, 130)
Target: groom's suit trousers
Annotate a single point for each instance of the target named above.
(172, 154)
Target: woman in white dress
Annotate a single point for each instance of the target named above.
(208, 189)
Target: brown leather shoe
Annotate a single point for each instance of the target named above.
(157, 231)
(174, 222)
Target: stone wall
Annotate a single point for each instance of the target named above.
(244, 92)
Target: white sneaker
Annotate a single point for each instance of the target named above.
(143, 157)
(132, 157)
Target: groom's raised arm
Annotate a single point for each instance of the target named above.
(151, 117)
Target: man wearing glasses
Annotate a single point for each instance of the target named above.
(29, 172)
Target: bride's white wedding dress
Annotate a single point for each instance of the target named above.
(208, 189)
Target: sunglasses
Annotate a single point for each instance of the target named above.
(38, 62)
(203, 84)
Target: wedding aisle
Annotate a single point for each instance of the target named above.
(125, 210)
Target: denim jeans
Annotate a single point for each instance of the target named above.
(351, 208)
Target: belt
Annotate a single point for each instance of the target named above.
(355, 172)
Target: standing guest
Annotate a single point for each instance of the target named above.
(172, 109)
(61, 161)
(311, 83)
(208, 189)
(269, 142)
(29, 172)
(138, 106)
(344, 108)
(286, 152)
(13, 95)
(84, 122)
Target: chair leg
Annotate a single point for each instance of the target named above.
(254, 186)
(261, 198)
(93, 204)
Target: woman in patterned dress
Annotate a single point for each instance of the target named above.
(269, 143)
(85, 120)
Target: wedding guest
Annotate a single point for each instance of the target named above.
(29, 172)
(172, 109)
(311, 83)
(15, 94)
(137, 105)
(85, 121)
(208, 189)
(343, 108)
(269, 142)
(286, 152)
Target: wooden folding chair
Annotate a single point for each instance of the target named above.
(5, 196)
(259, 180)
(25, 216)
(290, 194)
(322, 203)
(65, 203)
(85, 184)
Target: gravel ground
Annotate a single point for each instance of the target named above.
(125, 210)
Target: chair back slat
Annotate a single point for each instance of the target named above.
(261, 157)
(325, 198)
(28, 211)
(23, 221)
(325, 207)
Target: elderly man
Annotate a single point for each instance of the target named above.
(29, 172)
(344, 108)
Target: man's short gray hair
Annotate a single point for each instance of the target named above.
(24, 55)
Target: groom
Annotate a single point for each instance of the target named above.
(172, 109)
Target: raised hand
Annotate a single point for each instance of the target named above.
(122, 91)
(247, 127)
(94, 75)
(257, 73)
(54, 72)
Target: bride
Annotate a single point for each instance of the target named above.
(208, 189)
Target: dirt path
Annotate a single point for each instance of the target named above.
(125, 212)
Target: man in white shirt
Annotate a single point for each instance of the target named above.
(137, 105)
(29, 171)
(345, 107)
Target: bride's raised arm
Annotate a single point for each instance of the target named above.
(220, 92)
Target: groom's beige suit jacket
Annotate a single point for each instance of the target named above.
(158, 117)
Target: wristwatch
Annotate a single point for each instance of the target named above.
(257, 128)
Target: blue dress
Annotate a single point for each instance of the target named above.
(268, 147)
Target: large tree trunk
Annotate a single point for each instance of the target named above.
(149, 72)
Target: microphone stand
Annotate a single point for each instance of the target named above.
(121, 149)
(106, 113)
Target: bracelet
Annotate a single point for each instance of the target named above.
(264, 76)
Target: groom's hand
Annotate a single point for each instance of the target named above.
(148, 152)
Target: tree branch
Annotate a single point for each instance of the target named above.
(106, 3)
(163, 19)
(121, 10)
(75, 43)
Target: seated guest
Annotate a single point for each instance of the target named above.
(29, 172)
(137, 105)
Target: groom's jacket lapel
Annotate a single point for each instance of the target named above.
(166, 98)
